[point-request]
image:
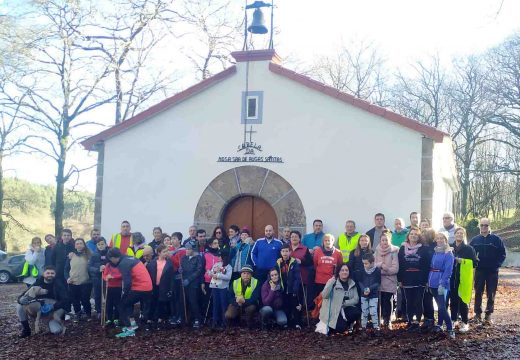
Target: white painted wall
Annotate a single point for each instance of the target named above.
(444, 174)
(343, 162)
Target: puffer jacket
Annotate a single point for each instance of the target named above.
(441, 269)
(390, 260)
(333, 295)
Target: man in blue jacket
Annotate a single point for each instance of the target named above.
(491, 254)
(264, 254)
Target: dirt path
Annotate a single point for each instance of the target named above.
(88, 341)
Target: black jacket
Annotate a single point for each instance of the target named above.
(60, 256)
(192, 270)
(490, 251)
(355, 264)
(371, 281)
(414, 269)
(49, 250)
(371, 234)
(464, 252)
(56, 291)
(163, 292)
(95, 262)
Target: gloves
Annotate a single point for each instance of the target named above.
(185, 282)
(441, 290)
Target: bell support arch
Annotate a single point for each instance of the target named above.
(250, 181)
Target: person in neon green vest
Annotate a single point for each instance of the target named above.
(348, 241)
(244, 293)
(34, 262)
(461, 284)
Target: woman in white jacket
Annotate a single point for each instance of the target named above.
(220, 275)
(34, 262)
(388, 261)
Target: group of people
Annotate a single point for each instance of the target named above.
(357, 281)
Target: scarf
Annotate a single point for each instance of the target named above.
(213, 251)
(382, 251)
(371, 270)
(409, 249)
(442, 249)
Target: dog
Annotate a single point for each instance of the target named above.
(33, 306)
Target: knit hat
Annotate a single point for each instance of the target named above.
(246, 268)
(190, 245)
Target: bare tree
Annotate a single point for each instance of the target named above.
(356, 69)
(422, 96)
(504, 65)
(126, 36)
(213, 32)
(60, 85)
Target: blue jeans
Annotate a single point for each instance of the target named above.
(442, 311)
(266, 312)
(220, 305)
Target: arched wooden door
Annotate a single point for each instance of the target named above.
(251, 212)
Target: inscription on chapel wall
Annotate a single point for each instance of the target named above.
(251, 159)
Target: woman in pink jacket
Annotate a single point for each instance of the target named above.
(387, 261)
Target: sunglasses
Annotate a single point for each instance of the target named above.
(484, 225)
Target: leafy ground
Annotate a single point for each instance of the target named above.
(88, 341)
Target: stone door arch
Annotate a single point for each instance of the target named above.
(253, 181)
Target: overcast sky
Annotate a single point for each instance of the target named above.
(404, 31)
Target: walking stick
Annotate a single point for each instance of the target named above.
(305, 299)
(207, 309)
(104, 295)
(184, 300)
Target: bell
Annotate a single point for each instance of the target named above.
(257, 25)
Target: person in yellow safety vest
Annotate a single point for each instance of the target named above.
(348, 241)
(34, 262)
(139, 243)
(246, 293)
(123, 240)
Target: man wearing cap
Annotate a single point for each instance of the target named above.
(191, 271)
(264, 254)
(244, 295)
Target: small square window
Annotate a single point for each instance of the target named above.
(252, 107)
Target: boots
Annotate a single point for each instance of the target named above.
(26, 329)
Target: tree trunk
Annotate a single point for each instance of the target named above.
(3, 244)
(61, 179)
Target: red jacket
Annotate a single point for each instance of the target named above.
(117, 278)
(302, 253)
(326, 265)
(176, 258)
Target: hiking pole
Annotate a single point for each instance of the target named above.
(305, 299)
(207, 309)
(184, 300)
(104, 295)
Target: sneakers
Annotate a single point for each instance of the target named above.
(436, 329)
(451, 334)
(127, 332)
(297, 327)
(412, 327)
(487, 320)
(196, 324)
(464, 328)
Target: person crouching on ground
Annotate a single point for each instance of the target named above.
(56, 291)
(161, 273)
(77, 275)
(272, 299)
(220, 275)
(339, 309)
(137, 287)
(369, 282)
(244, 295)
(439, 281)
